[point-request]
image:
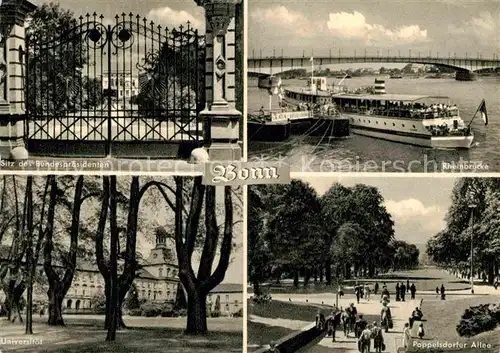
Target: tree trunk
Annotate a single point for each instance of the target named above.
(108, 306)
(296, 279)
(13, 298)
(328, 272)
(321, 274)
(16, 312)
(256, 289)
(307, 277)
(491, 273)
(113, 265)
(55, 307)
(196, 315)
(29, 307)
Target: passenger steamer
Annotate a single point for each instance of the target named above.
(413, 119)
(326, 120)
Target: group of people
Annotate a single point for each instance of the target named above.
(365, 333)
(352, 322)
(402, 289)
(440, 291)
(362, 291)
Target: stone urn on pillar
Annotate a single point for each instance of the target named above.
(12, 78)
(221, 118)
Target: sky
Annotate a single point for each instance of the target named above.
(165, 13)
(418, 205)
(316, 26)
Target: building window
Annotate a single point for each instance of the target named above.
(68, 303)
(160, 272)
(227, 297)
(83, 292)
(168, 294)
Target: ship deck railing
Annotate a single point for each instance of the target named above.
(418, 114)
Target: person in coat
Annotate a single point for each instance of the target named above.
(378, 338)
(386, 317)
(413, 290)
(403, 291)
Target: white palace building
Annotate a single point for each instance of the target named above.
(157, 282)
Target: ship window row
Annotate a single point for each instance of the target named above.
(376, 122)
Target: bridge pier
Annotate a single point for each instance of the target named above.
(465, 75)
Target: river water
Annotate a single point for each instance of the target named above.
(366, 154)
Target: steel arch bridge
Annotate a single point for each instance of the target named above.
(465, 67)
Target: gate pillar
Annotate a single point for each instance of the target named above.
(12, 78)
(220, 116)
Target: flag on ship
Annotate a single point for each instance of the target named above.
(484, 113)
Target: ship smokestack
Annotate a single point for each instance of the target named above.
(379, 86)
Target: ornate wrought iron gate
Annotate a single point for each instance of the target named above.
(126, 88)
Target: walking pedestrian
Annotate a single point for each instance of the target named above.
(403, 291)
(359, 326)
(443, 295)
(367, 292)
(437, 292)
(358, 293)
(406, 336)
(386, 317)
(364, 341)
(376, 288)
(335, 322)
(408, 284)
(378, 338)
(398, 289)
(413, 290)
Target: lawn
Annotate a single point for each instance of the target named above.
(155, 335)
(442, 319)
(260, 335)
(289, 311)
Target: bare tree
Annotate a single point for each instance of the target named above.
(199, 285)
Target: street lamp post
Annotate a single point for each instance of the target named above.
(472, 207)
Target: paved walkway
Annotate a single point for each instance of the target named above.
(393, 339)
(400, 312)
